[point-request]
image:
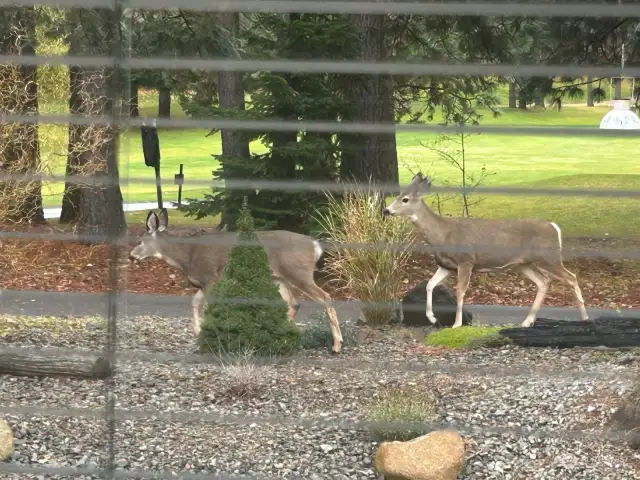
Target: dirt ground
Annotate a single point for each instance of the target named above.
(53, 265)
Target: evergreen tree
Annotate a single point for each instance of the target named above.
(232, 322)
(276, 96)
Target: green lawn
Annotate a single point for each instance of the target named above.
(525, 161)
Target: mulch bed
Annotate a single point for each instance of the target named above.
(47, 265)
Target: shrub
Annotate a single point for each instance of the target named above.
(317, 335)
(468, 337)
(246, 378)
(374, 272)
(261, 326)
(413, 408)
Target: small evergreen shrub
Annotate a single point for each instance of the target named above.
(468, 337)
(413, 409)
(237, 326)
(317, 335)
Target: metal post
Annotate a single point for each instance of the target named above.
(156, 167)
(179, 180)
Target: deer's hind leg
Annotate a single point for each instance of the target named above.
(542, 281)
(560, 273)
(306, 284)
(464, 276)
(287, 296)
(196, 303)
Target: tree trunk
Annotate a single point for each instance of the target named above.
(231, 95)
(21, 200)
(372, 156)
(538, 98)
(95, 206)
(589, 92)
(133, 103)
(164, 102)
(617, 85)
(70, 211)
(513, 94)
(39, 364)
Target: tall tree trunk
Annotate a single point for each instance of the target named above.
(617, 85)
(70, 212)
(538, 98)
(164, 102)
(231, 95)
(589, 92)
(134, 101)
(96, 206)
(21, 200)
(370, 97)
(513, 94)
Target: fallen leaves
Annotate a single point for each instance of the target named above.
(58, 266)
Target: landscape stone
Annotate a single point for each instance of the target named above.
(414, 306)
(439, 455)
(6, 440)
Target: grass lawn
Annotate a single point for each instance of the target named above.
(525, 161)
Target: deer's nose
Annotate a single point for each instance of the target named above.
(133, 259)
(386, 212)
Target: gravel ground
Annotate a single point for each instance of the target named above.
(301, 418)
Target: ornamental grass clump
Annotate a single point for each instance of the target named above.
(373, 263)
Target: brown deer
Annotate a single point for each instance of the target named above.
(534, 247)
(292, 258)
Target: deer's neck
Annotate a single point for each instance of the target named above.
(175, 254)
(430, 225)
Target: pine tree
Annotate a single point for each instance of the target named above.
(245, 310)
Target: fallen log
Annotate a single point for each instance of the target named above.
(49, 364)
(606, 331)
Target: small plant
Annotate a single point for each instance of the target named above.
(456, 157)
(409, 407)
(246, 378)
(317, 335)
(467, 337)
(372, 265)
(245, 309)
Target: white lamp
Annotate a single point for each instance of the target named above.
(621, 117)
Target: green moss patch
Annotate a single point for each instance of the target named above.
(468, 337)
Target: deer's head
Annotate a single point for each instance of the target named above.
(410, 198)
(149, 245)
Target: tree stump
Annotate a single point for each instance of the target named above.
(607, 331)
(40, 364)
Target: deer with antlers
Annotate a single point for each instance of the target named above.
(534, 247)
(292, 258)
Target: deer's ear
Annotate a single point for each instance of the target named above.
(427, 181)
(417, 178)
(152, 222)
(163, 220)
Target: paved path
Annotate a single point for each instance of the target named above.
(34, 303)
(54, 212)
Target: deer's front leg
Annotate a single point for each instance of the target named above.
(464, 275)
(440, 275)
(196, 303)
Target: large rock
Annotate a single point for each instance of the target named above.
(627, 418)
(6, 440)
(438, 455)
(414, 307)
